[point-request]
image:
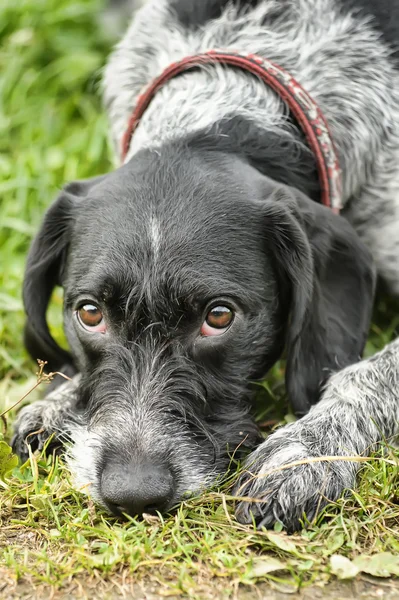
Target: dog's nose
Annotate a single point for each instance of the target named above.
(137, 488)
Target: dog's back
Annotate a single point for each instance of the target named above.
(335, 49)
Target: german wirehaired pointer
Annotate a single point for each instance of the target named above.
(209, 252)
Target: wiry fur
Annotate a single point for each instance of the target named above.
(359, 407)
(203, 199)
(325, 54)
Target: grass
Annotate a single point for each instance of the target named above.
(52, 129)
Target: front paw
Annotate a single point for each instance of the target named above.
(291, 495)
(33, 428)
(51, 417)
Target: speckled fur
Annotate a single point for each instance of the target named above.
(327, 49)
(359, 98)
(361, 103)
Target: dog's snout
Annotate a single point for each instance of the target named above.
(137, 488)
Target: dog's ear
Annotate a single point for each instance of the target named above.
(43, 272)
(328, 276)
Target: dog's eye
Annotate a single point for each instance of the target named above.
(91, 318)
(218, 319)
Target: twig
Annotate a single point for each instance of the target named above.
(41, 378)
(316, 459)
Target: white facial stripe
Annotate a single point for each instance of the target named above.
(155, 235)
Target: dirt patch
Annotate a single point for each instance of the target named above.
(123, 587)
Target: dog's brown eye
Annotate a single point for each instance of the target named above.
(219, 317)
(91, 317)
(217, 321)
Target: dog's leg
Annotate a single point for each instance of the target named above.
(359, 407)
(44, 418)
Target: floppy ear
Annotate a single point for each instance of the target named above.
(329, 277)
(43, 272)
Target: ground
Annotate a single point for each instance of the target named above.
(53, 541)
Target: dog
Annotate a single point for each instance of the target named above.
(207, 254)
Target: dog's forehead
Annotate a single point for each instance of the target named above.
(173, 226)
(169, 246)
(167, 210)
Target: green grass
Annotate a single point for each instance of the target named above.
(52, 130)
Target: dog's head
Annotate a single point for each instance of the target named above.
(185, 274)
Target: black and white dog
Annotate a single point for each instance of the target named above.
(189, 269)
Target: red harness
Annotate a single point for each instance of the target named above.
(303, 107)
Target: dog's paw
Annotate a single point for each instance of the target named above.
(291, 495)
(43, 419)
(34, 426)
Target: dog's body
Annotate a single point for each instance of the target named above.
(216, 208)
